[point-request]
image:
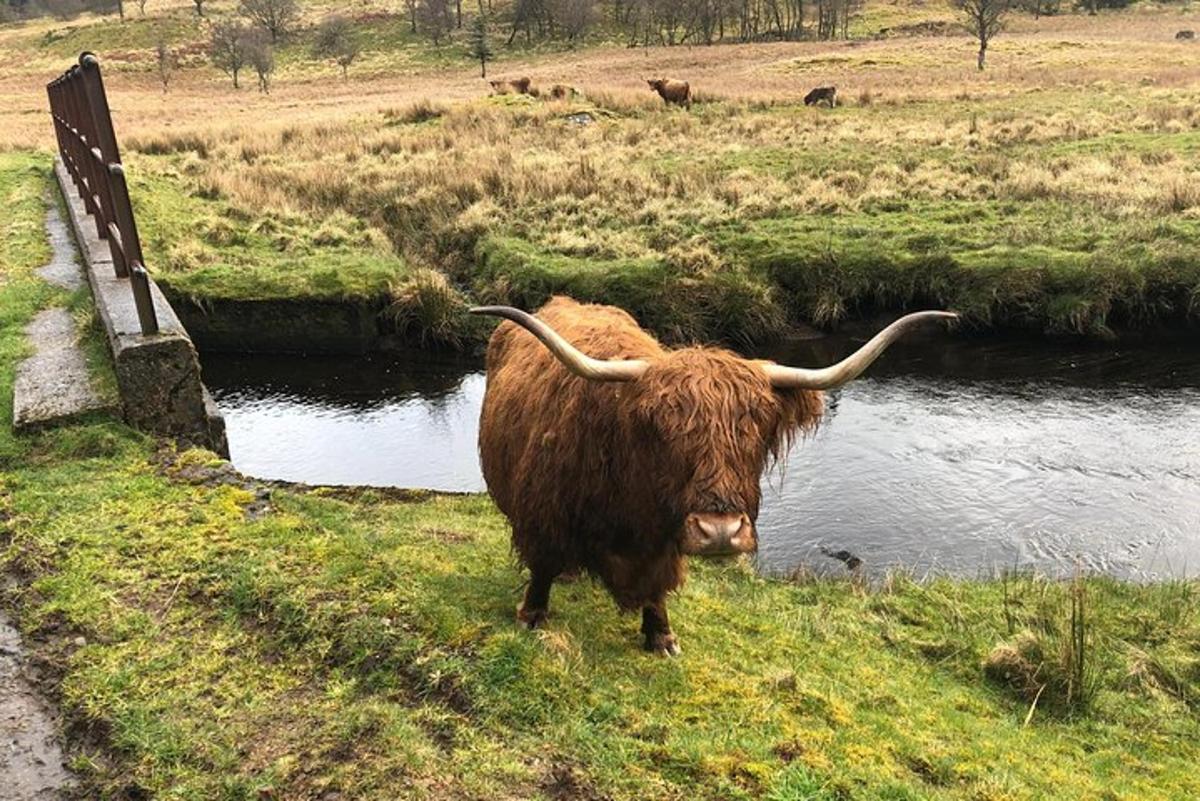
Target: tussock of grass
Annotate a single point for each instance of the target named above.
(416, 113)
(426, 308)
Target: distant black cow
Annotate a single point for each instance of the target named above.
(1185, 35)
(822, 94)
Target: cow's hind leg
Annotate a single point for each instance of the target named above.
(533, 610)
(657, 629)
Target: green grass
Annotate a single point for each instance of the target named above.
(204, 248)
(384, 35)
(122, 45)
(363, 644)
(1035, 264)
(367, 646)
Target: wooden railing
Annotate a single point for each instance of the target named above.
(88, 148)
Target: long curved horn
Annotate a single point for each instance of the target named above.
(849, 368)
(578, 363)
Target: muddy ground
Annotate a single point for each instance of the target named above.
(32, 766)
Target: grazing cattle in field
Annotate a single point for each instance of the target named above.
(672, 91)
(1185, 34)
(822, 94)
(519, 86)
(561, 91)
(611, 454)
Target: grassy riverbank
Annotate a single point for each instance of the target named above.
(727, 223)
(207, 639)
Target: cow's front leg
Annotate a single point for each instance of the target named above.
(533, 610)
(657, 629)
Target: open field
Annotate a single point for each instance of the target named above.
(1059, 190)
(207, 640)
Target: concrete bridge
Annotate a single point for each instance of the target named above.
(157, 370)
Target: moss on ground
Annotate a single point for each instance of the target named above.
(210, 645)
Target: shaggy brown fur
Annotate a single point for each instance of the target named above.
(1185, 34)
(822, 94)
(519, 86)
(672, 91)
(601, 476)
(561, 91)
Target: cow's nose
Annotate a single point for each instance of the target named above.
(713, 533)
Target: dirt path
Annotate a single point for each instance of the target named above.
(31, 761)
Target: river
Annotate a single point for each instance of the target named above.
(955, 455)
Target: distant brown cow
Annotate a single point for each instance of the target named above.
(822, 94)
(561, 91)
(1185, 34)
(519, 86)
(612, 454)
(672, 91)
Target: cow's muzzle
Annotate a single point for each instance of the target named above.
(715, 534)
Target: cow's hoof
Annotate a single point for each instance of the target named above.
(531, 618)
(663, 645)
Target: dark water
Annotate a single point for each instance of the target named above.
(950, 456)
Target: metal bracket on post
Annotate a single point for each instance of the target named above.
(139, 280)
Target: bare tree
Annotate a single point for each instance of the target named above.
(1039, 8)
(229, 47)
(261, 56)
(141, 7)
(411, 7)
(984, 19)
(833, 17)
(435, 20)
(199, 4)
(61, 9)
(335, 39)
(526, 14)
(166, 62)
(573, 17)
(276, 17)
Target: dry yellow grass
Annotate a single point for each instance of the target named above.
(1070, 52)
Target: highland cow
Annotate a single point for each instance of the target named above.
(623, 461)
(672, 91)
(560, 91)
(1185, 35)
(822, 94)
(519, 86)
